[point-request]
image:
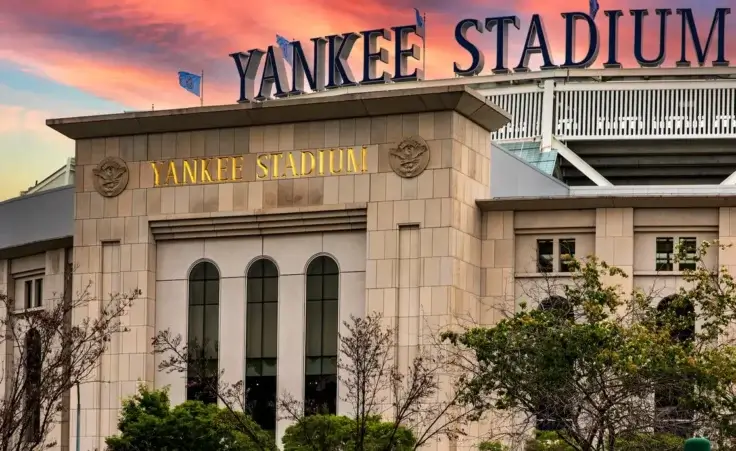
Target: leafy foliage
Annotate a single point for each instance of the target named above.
(56, 349)
(337, 433)
(600, 365)
(148, 423)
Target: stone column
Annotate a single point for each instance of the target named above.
(114, 253)
(424, 230)
(614, 243)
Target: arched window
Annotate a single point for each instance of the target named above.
(673, 415)
(32, 387)
(261, 341)
(320, 394)
(204, 330)
(551, 413)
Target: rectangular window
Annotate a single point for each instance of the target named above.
(38, 293)
(664, 259)
(545, 255)
(688, 250)
(28, 294)
(567, 252)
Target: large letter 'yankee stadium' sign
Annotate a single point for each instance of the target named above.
(329, 69)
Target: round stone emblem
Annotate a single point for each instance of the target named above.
(410, 158)
(111, 176)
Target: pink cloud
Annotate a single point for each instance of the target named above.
(129, 50)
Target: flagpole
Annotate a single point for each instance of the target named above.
(201, 90)
(424, 49)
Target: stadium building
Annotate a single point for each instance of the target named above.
(424, 201)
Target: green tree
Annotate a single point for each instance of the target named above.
(148, 423)
(337, 433)
(603, 366)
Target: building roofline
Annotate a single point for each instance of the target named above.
(408, 100)
(36, 194)
(591, 202)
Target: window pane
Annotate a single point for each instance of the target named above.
(567, 252)
(253, 330)
(330, 287)
(270, 329)
(196, 292)
(316, 266)
(314, 288)
(255, 290)
(269, 269)
(212, 292)
(664, 254)
(28, 294)
(271, 289)
(329, 266)
(210, 271)
(688, 247)
(314, 366)
(253, 367)
(38, 293)
(197, 272)
(256, 269)
(329, 328)
(196, 324)
(212, 329)
(314, 328)
(269, 367)
(329, 365)
(545, 255)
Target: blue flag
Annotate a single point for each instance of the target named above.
(285, 46)
(594, 7)
(191, 82)
(420, 23)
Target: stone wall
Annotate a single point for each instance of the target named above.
(423, 233)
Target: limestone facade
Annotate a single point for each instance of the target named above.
(422, 251)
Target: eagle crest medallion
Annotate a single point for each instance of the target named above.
(111, 176)
(410, 158)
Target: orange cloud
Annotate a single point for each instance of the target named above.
(130, 50)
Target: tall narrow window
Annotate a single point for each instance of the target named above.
(28, 293)
(688, 249)
(261, 342)
(37, 293)
(33, 351)
(204, 316)
(545, 255)
(665, 254)
(322, 324)
(567, 252)
(551, 414)
(673, 414)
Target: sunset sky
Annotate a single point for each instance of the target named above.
(63, 58)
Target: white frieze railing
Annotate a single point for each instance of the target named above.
(524, 103)
(619, 110)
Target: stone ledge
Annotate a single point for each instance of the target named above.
(258, 224)
(380, 102)
(591, 202)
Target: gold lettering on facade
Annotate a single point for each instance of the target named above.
(205, 171)
(334, 170)
(321, 162)
(156, 174)
(237, 170)
(307, 170)
(261, 162)
(221, 170)
(292, 165)
(268, 166)
(171, 174)
(190, 169)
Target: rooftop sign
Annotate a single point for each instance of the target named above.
(328, 68)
